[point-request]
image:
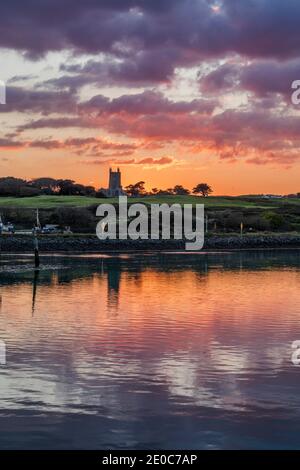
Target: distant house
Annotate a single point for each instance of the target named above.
(272, 196)
(115, 187)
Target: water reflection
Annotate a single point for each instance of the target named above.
(34, 289)
(150, 351)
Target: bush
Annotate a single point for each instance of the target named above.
(27, 191)
(79, 219)
(276, 221)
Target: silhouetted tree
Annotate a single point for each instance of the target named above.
(137, 189)
(180, 190)
(17, 187)
(203, 188)
(46, 185)
(154, 191)
(164, 192)
(10, 186)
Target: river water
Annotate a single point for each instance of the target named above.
(150, 351)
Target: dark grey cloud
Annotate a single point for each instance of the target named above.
(38, 101)
(224, 78)
(143, 68)
(148, 102)
(53, 123)
(264, 78)
(143, 33)
(9, 143)
(86, 114)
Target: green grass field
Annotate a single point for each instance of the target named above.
(47, 202)
(50, 202)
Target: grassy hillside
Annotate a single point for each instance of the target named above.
(225, 214)
(46, 202)
(51, 202)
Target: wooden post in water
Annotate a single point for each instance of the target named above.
(36, 242)
(36, 249)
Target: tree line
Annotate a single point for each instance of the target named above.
(138, 190)
(18, 187)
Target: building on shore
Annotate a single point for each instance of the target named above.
(115, 185)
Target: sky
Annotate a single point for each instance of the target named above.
(171, 91)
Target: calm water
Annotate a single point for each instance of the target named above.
(150, 351)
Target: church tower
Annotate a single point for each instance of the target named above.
(115, 187)
(114, 179)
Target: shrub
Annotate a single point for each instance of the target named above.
(276, 221)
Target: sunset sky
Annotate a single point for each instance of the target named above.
(170, 91)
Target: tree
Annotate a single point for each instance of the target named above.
(10, 186)
(203, 188)
(70, 188)
(137, 189)
(101, 194)
(164, 192)
(89, 190)
(154, 191)
(66, 187)
(169, 191)
(16, 187)
(46, 185)
(276, 221)
(180, 190)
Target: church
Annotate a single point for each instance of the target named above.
(115, 186)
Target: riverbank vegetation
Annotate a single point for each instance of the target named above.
(224, 214)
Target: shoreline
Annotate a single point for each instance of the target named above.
(91, 244)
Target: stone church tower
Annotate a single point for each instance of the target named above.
(115, 186)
